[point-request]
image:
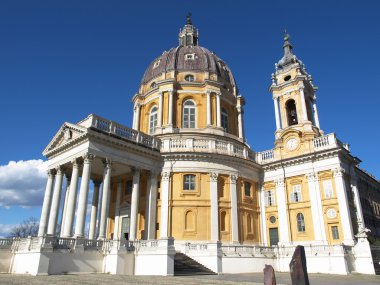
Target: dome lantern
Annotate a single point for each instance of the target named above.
(188, 35)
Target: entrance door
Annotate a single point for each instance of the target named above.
(273, 236)
(124, 232)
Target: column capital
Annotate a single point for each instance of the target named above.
(312, 176)
(68, 176)
(208, 92)
(88, 157)
(339, 171)
(135, 170)
(107, 163)
(279, 182)
(160, 93)
(76, 162)
(60, 170)
(240, 109)
(233, 179)
(51, 172)
(165, 175)
(213, 176)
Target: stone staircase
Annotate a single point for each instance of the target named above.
(184, 265)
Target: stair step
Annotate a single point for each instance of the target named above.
(185, 265)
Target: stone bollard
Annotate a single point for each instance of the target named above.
(269, 277)
(298, 269)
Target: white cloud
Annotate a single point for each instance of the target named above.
(5, 229)
(22, 183)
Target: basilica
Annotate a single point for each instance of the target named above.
(183, 185)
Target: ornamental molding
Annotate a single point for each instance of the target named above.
(280, 182)
(339, 171)
(165, 175)
(213, 176)
(312, 176)
(88, 157)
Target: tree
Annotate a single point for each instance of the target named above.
(28, 227)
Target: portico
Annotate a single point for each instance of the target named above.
(83, 154)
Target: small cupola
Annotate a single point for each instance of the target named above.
(188, 35)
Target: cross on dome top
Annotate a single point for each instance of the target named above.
(188, 35)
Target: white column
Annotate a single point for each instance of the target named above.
(344, 210)
(208, 108)
(117, 207)
(94, 210)
(358, 206)
(316, 118)
(214, 215)
(134, 204)
(165, 187)
(303, 105)
(55, 202)
(263, 223)
(136, 121)
(151, 204)
(105, 200)
(160, 104)
(63, 220)
(47, 203)
(282, 211)
(71, 203)
(234, 210)
(240, 121)
(83, 195)
(316, 209)
(170, 111)
(276, 113)
(218, 114)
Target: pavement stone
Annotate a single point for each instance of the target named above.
(223, 279)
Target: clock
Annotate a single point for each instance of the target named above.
(292, 144)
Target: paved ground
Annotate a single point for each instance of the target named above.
(227, 279)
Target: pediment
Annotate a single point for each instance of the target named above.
(66, 134)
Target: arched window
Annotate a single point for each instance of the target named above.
(189, 78)
(225, 119)
(301, 222)
(190, 221)
(153, 120)
(291, 112)
(223, 222)
(189, 182)
(153, 85)
(189, 114)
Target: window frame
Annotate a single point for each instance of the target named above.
(301, 226)
(296, 194)
(187, 123)
(188, 76)
(335, 232)
(153, 113)
(189, 184)
(224, 119)
(328, 191)
(245, 189)
(269, 198)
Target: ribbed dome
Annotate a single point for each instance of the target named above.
(176, 59)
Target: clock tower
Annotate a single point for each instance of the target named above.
(297, 122)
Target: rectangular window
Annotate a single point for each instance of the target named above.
(296, 195)
(335, 232)
(269, 198)
(247, 189)
(189, 182)
(328, 188)
(128, 188)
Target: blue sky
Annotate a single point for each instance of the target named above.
(62, 60)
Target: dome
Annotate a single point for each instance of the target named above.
(191, 57)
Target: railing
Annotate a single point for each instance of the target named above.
(219, 146)
(265, 156)
(318, 144)
(120, 131)
(253, 250)
(6, 242)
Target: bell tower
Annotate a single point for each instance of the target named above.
(297, 122)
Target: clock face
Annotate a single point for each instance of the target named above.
(292, 144)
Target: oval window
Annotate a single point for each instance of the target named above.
(189, 78)
(287, 77)
(272, 219)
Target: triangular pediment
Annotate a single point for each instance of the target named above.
(66, 134)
